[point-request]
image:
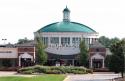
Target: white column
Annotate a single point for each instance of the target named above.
(70, 41)
(91, 63)
(89, 41)
(32, 59)
(49, 41)
(92, 40)
(103, 64)
(34, 54)
(73, 62)
(59, 41)
(19, 61)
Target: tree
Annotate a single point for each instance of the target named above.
(41, 55)
(83, 54)
(21, 41)
(117, 60)
(104, 41)
(107, 42)
(107, 61)
(114, 40)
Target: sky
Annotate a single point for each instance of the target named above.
(21, 18)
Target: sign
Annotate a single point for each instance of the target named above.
(8, 53)
(5, 51)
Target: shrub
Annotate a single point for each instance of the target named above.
(40, 69)
(89, 71)
(27, 72)
(61, 69)
(77, 72)
(54, 70)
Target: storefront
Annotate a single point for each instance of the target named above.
(26, 54)
(16, 56)
(8, 58)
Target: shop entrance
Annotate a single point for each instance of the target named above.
(26, 62)
(97, 63)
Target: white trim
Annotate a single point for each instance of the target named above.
(23, 52)
(97, 56)
(25, 55)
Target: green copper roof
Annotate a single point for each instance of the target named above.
(66, 10)
(66, 27)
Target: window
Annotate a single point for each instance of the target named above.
(65, 40)
(87, 40)
(45, 40)
(7, 62)
(54, 40)
(76, 41)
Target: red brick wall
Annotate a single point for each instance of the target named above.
(25, 49)
(29, 50)
(101, 51)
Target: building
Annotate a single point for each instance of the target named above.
(14, 56)
(97, 55)
(63, 38)
(26, 54)
(62, 41)
(8, 58)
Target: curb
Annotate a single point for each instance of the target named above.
(66, 79)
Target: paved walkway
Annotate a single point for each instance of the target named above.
(12, 73)
(92, 77)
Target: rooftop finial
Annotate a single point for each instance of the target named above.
(66, 6)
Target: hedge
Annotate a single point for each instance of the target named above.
(54, 70)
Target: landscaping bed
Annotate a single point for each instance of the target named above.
(54, 70)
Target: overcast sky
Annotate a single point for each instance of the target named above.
(20, 18)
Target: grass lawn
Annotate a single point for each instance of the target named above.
(35, 78)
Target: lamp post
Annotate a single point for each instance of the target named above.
(4, 40)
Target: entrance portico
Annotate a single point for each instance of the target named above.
(25, 59)
(26, 55)
(97, 61)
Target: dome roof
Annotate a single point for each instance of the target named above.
(66, 10)
(66, 27)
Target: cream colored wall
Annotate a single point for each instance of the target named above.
(64, 50)
(8, 52)
(67, 34)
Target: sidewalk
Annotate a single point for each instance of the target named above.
(92, 77)
(13, 73)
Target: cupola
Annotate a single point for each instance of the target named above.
(66, 15)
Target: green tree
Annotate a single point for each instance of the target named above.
(107, 42)
(83, 54)
(114, 40)
(107, 61)
(104, 41)
(25, 40)
(116, 63)
(41, 54)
